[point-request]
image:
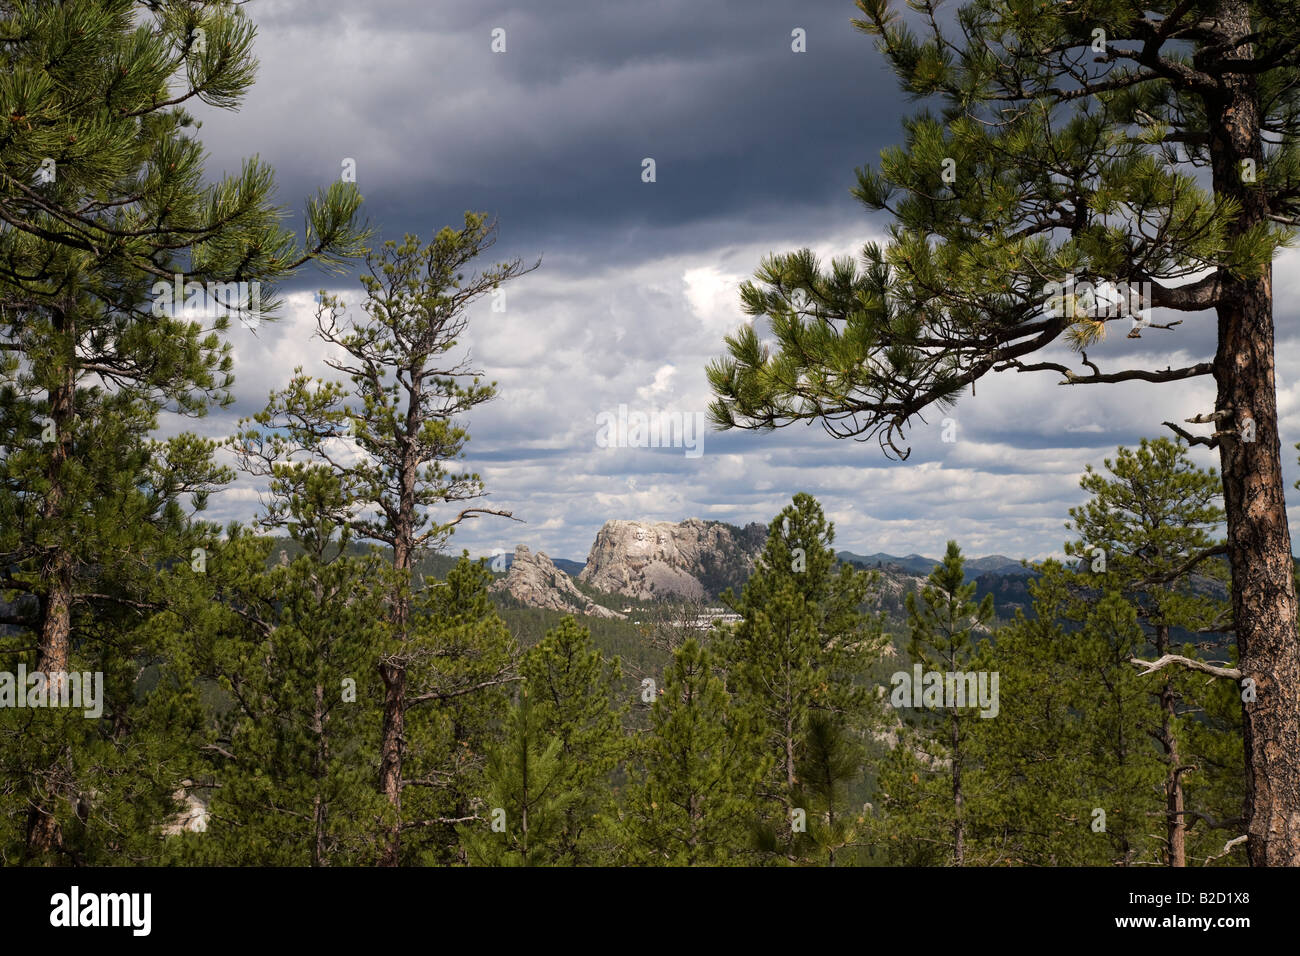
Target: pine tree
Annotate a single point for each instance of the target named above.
(803, 648)
(462, 663)
(1080, 775)
(1080, 733)
(527, 798)
(830, 767)
(291, 651)
(290, 769)
(411, 386)
(1084, 163)
(572, 688)
(693, 803)
(104, 213)
(1150, 526)
(934, 777)
(93, 790)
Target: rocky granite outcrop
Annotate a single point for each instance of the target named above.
(535, 581)
(694, 559)
(193, 816)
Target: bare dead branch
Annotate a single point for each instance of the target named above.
(1227, 848)
(439, 822)
(1231, 673)
(460, 692)
(1191, 439)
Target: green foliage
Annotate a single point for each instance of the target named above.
(105, 210)
(1144, 522)
(1071, 738)
(1038, 161)
(801, 651)
(1084, 729)
(932, 785)
(393, 489)
(126, 518)
(572, 689)
(407, 390)
(830, 764)
(527, 796)
(693, 800)
(290, 769)
(111, 782)
(460, 663)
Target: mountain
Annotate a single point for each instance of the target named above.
(693, 559)
(998, 564)
(567, 565)
(912, 563)
(696, 560)
(919, 564)
(534, 581)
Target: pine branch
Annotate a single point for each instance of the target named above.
(1183, 568)
(1191, 439)
(1227, 848)
(1231, 673)
(439, 822)
(448, 695)
(1098, 376)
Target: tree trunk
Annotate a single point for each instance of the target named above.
(1259, 542)
(958, 823)
(320, 809)
(54, 647)
(791, 779)
(392, 735)
(523, 810)
(1175, 816)
(393, 673)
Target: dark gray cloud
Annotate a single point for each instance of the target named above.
(551, 134)
(755, 148)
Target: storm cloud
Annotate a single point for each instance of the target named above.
(755, 148)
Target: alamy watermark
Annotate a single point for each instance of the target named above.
(653, 429)
(1106, 299)
(56, 689)
(179, 299)
(75, 909)
(946, 689)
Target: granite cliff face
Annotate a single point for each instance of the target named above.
(534, 580)
(693, 559)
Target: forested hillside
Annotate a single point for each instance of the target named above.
(322, 676)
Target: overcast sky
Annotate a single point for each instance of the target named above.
(755, 148)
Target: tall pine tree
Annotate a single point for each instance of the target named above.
(1082, 164)
(104, 212)
(929, 783)
(572, 688)
(802, 650)
(693, 801)
(1084, 735)
(408, 389)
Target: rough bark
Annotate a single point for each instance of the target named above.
(54, 647)
(1175, 816)
(393, 672)
(1259, 542)
(958, 798)
(320, 770)
(56, 621)
(390, 757)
